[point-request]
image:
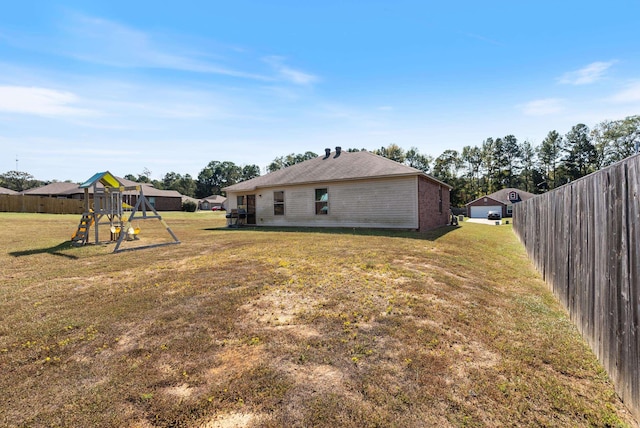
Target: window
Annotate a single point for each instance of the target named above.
(278, 203)
(509, 209)
(240, 203)
(440, 199)
(322, 201)
(513, 196)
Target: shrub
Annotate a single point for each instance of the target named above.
(189, 206)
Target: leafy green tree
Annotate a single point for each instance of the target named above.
(216, 176)
(250, 171)
(290, 159)
(169, 180)
(549, 154)
(491, 161)
(415, 159)
(276, 164)
(581, 156)
(509, 160)
(471, 158)
(144, 176)
(616, 140)
(18, 181)
(528, 172)
(158, 184)
(445, 168)
(185, 185)
(393, 152)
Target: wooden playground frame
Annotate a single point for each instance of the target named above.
(108, 208)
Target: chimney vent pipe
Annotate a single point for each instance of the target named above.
(338, 151)
(327, 153)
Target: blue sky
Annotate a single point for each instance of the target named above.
(89, 86)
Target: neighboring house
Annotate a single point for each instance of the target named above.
(5, 191)
(344, 189)
(213, 201)
(161, 200)
(53, 190)
(501, 201)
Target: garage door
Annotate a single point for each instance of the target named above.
(481, 212)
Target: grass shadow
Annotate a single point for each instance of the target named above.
(55, 250)
(431, 235)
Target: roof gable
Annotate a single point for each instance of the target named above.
(502, 196)
(105, 178)
(215, 199)
(334, 167)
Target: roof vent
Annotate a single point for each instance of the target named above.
(327, 153)
(338, 151)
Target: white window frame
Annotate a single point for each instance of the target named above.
(324, 199)
(278, 203)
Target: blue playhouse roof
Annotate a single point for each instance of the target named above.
(105, 178)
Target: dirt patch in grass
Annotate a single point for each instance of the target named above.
(272, 328)
(232, 420)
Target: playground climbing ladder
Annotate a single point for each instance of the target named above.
(81, 236)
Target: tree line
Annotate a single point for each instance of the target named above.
(496, 163)
(504, 162)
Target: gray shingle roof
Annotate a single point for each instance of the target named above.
(5, 191)
(152, 191)
(68, 189)
(215, 199)
(58, 188)
(346, 166)
(502, 195)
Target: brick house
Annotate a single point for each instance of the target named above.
(502, 201)
(344, 189)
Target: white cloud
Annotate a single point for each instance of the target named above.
(543, 107)
(104, 42)
(110, 43)
(295, 76)
(587, 75)
(40, 101)
(629, 95)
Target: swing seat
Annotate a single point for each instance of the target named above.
(132, 233)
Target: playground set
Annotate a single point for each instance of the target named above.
(116, 206)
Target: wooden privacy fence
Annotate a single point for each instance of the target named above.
(40, 204)
(584, 238)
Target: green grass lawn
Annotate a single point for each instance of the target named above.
(287, 328)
